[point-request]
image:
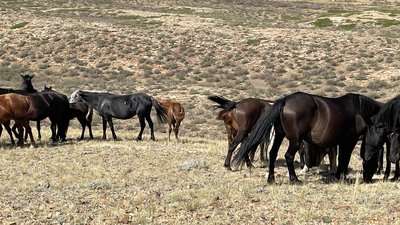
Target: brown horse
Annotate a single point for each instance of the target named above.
(16, 107)
(239, 118)
(175, 114)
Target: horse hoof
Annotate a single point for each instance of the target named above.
(295, 181)
(228, 168)
(271, 180)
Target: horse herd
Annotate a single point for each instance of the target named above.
(26, 104)
(314, 125)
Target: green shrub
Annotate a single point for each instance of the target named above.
(19, 25)
(324, 22)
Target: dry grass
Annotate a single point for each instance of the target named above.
(109, 182)
(187, 50)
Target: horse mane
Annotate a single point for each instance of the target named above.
(389, 113)
(368, 106)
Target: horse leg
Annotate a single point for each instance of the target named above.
(29, 131)
(176, 129)
(332, 159)
(38, 130)
(142, 126)
(110, 123)
(169, 130)
(89, 125)
(151, 125)
(7, 126)
(273, 153)
(104, 127)
(53, 128)
(396, 172)
(380, 163)
(388, 164)
(82, 121)
(289, 156)
(345, 151)
(235, 142)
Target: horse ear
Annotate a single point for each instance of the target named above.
(32, 75)
(361, 124)
(22, 76)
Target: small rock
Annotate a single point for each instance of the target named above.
(124, 219)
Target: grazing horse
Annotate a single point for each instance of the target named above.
(239, 118)
(122, 107)
(378, 129)
(321, 121)
(175, 114)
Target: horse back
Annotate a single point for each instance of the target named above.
(15, 106)
(247, 112)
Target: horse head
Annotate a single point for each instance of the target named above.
(75, 96)
(26, 84)
(375, 137)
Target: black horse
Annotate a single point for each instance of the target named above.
(321, 121)
(122, 107)
(82, 111)
(378, 129)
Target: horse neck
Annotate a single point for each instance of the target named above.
(28, 87)
(92, 99)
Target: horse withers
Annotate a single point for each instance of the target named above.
(239, 118)
(175, 114)
(122, 107)
(321, 121)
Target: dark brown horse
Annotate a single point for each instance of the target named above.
(321, 121)
(175, 114)
(82, 111)
(239, 118)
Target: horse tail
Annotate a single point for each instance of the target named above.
(89, 115)
(179, 115)
(223, 103)
(161, 111)
(260, 133)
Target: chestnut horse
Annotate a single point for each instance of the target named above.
(175, 114)
(239, 118)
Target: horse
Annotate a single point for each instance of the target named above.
(378, 128)
(82, 111)
(239, 117)
(25, 88)
(321, 121)
(35, 106)
(18, 108)
(122, 107)
(175, 114)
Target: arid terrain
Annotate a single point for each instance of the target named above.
(187, 50)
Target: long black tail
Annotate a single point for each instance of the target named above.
(260, 132)
(161, 112)
(223, 103)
